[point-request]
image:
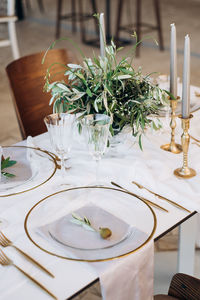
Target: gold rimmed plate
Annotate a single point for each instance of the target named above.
(48, 224)
(33, 168)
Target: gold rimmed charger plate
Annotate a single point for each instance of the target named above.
(41, 153)
(32, 235)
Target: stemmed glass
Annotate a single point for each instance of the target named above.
(59, 127)
(96, 130)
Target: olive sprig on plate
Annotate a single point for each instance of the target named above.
(85, 223)
(6, 163)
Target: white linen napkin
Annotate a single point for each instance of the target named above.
(128, 278)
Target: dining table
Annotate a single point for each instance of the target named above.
(122, 163)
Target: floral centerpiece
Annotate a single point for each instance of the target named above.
(104, 85)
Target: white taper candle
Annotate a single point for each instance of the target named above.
(173, 62)
(186, 79)
(102, 35)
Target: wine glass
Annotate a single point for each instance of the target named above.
(59, 126)
(96, 130)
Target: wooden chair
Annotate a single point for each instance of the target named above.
(138, 25)
(26, 76)
(182, 287)
(76, 15)
(8, 16)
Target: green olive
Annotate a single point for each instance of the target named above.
(105, 232)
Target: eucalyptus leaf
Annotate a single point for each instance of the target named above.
(63, 87)
(74, 66)
(8, 175)
(6, 163)
(86, 224)
(123, 77)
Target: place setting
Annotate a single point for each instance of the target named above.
(24, 168)
(89, 227)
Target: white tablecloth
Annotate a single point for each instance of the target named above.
(152, 167)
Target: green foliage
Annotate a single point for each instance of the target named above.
(85, 223)
(6, 163)
(103, 85)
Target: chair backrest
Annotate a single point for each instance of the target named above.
(26, 76)
(11, 8)
(7, 16)
(7, 8)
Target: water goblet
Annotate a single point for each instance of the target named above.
(59, 126)
(96, 130)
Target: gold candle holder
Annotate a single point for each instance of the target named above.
(185, 171)
(172, 146)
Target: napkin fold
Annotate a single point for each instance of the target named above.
(128, 278)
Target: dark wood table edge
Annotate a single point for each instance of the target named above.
(175, 225)
(156, 239)
(83, 289)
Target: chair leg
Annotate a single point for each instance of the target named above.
(28, 5)
(159, 25)
(13, 39)
(94, 11)
(73, 11)
(41, 5)
(138, 24)
(58, 18)
(119, 18)
(82, 23)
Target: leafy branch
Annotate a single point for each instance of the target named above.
(6, 163)
(85, 223)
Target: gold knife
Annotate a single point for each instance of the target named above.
(161, 197)
(196, 140)
(139, 197)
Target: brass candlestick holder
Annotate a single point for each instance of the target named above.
(185, 171)
(172, 146)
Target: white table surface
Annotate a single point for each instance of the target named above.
(126, 167)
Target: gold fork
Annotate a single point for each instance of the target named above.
(5, 261)
(139, 197)
(5, 242)
(161, 197)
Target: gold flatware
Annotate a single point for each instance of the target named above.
(141, 198)
(196, 140)
(161, 197)
(5, 242)
(195, 143)
(5, 261)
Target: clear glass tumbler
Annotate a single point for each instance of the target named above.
(59, 127)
